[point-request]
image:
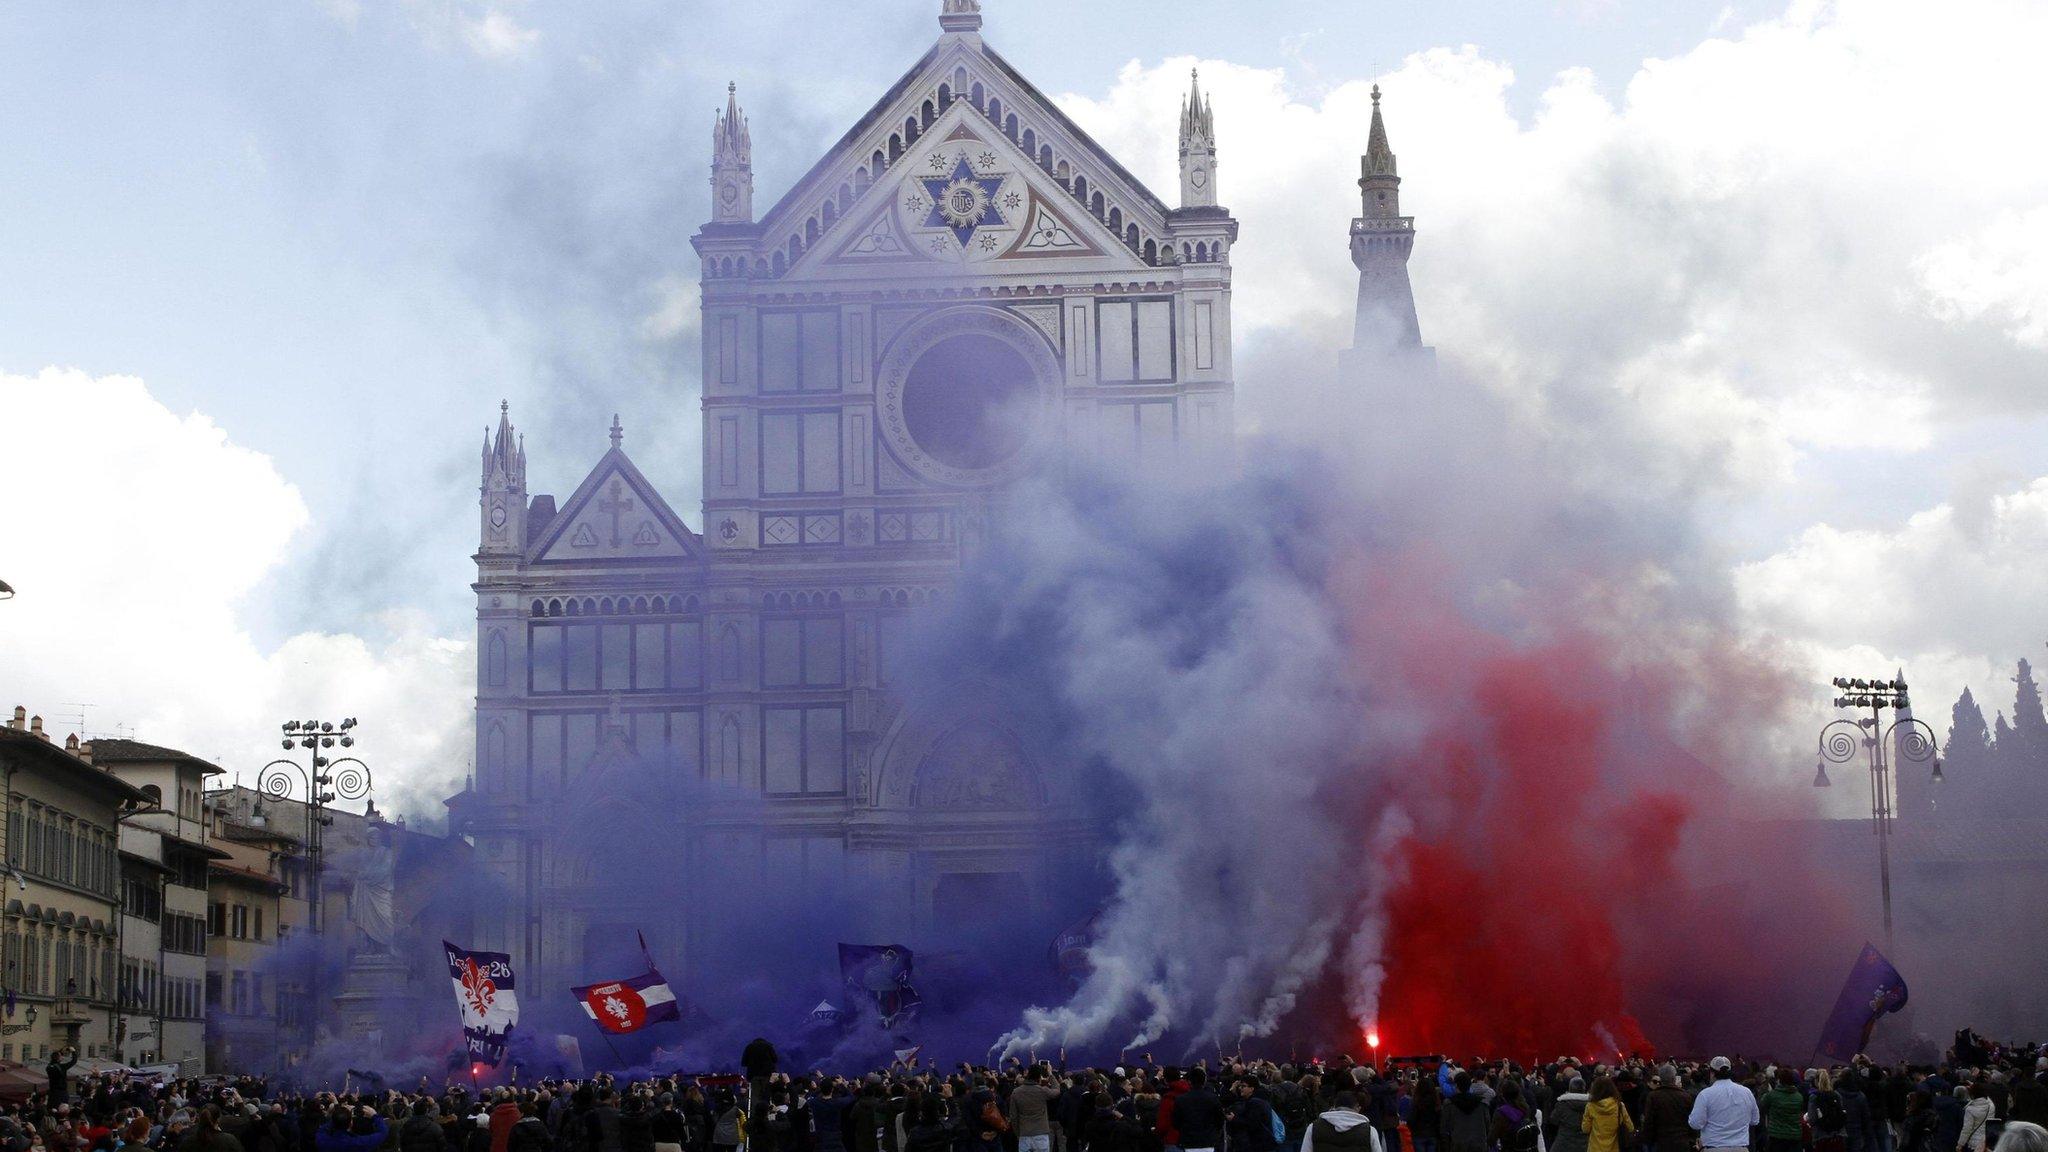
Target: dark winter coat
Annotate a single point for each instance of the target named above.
(2029, 1100)
(1382, 1107)
(1862, 1133)
(1252, 1125)
(1467, 1123)
(601, 1131)
(1565, 1116)
(59, 1073)
(1919, 1134)
(827, 1115)
(528, 1135)
(1666, 1120)
(1948, 1122)
(636, 1131)
(418, 1134)
(1199, 1117)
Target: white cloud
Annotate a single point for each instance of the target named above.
(486, 30)
(1999, 275)
(495, 35)
(1952, 595)
(137, 540)
(1697, 280)
(675, 312)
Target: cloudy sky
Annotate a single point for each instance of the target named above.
(267, 268)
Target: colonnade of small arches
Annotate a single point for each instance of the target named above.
(614, 606)
(1004, 120)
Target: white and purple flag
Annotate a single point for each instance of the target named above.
(622, 1006)
(484, 995)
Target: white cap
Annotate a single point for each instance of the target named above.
(1719, 1064)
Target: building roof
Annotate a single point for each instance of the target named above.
(106, 750)
(35, 749)
(245, 875)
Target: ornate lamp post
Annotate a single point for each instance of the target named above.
(11, 1029)
(346, 779)
(1906, 737)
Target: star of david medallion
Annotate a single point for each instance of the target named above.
(961, 212)
(961, 201)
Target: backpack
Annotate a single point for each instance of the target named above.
(992, 1116)
(1829, 1107)
(1293, 1109)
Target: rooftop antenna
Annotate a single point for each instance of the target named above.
(80, 715)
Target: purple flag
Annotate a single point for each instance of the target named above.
(1873, 989)
(883, 972)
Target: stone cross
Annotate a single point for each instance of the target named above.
(618, 506)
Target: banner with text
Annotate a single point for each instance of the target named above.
(485, 996)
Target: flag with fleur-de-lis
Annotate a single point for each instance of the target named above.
(486, 998)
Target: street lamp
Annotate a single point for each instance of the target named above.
(1908, 737)
(328, 780)
(11, 1029)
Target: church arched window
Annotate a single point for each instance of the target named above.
(729, 654)
(494, 660)
(729, 750)
(494, 759)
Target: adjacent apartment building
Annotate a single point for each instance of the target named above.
(165, 855)
(60, 917)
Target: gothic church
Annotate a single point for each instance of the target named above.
(964, 283)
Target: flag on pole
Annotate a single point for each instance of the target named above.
(1874, 988)
(484, 995)
(881, 972)
(905, 1056)
(1069, 950)
(623, 1006)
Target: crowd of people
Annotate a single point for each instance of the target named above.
(1989, 1098)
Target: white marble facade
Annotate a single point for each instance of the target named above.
(965, 283)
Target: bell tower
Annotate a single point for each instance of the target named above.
(732, 164)
(1381, 239)
(1197, 148)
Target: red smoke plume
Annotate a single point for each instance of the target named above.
(1550, 892)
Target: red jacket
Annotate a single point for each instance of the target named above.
(1169, 1135)
(503, 1117)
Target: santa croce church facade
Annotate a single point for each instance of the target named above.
(963, 284)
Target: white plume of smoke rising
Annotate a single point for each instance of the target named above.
(1206, 670)
(1365, 969)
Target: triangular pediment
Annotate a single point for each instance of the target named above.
(873, 205)
(967, 201)
(615, 514)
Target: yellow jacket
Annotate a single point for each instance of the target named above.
(1603, 1124)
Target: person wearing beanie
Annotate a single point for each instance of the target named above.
(1565, 1115)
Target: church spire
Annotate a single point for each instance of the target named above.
(503, 492)
(1381, 239)
(1379, 158)
(732, 164)
(1197, 147)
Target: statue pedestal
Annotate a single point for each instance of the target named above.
(373, 991)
